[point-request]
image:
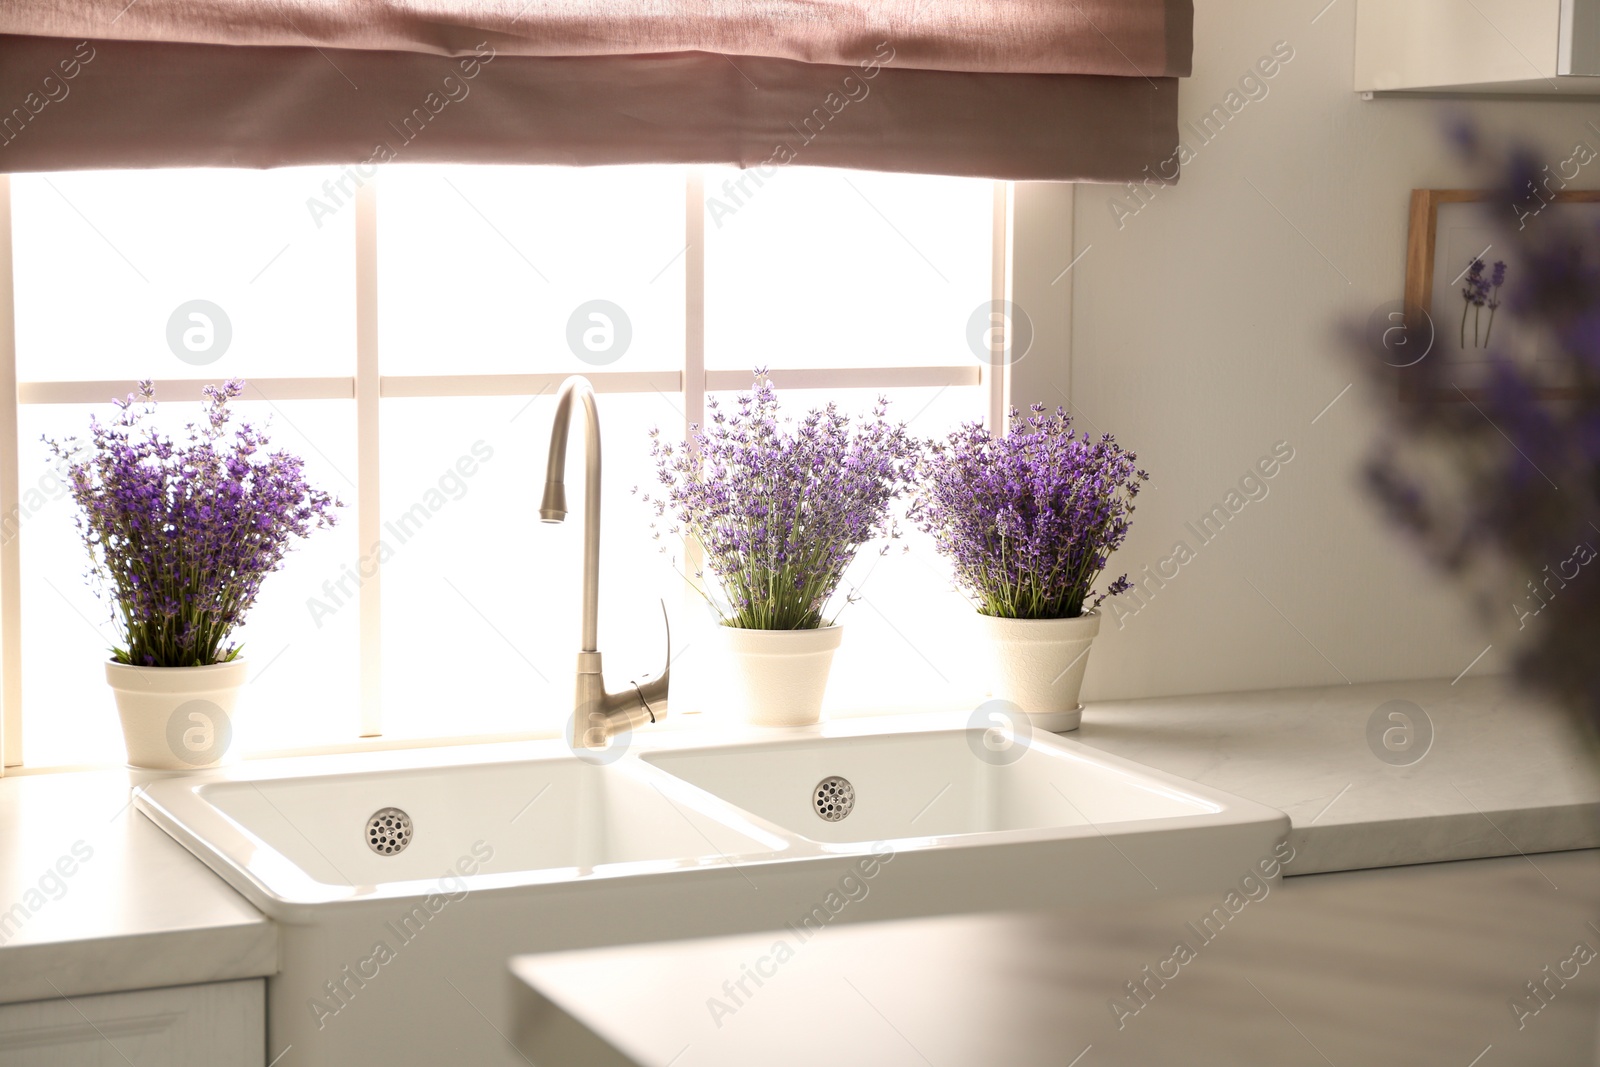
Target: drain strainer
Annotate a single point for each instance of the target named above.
(388, 831)
(833, 798)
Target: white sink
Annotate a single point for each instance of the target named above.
(937, 787)
(291, 833)
(1029, 821)
(522, 848)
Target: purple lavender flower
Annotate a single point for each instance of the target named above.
(1496, 279)
(780, 508)
(1029, 519)
(1473, 295)
(181, 536)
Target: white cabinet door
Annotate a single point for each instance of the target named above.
(218, 1025)
(1580, 38)
(1539, 47)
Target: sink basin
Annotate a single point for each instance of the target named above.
(1030, 821)
(929, 786)
(297, 838)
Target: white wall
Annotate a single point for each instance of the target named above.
(1202, 335)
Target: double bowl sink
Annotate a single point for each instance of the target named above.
(401, 883)
(969, 820)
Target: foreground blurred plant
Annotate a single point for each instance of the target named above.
(779, 508)
(1029, 519)
(181, 535)
(1501, 485)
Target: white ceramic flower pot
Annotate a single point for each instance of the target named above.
(778, 676)
(176, 718)
(1038, 665)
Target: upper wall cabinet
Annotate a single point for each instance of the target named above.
(1478, 46)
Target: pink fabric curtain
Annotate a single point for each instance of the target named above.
(1128, 38)
(1031, 89)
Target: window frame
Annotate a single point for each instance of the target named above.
(1026, 273)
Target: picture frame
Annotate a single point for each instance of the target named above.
(1446, 234)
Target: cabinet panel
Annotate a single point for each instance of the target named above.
(1580, 38)
(1541, 47)
(217, 1025)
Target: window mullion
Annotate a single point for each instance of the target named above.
(994, 372)
(694, 330)
(10, 506)
(368, 516)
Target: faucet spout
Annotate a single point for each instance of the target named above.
(597, 714)
(553, 507)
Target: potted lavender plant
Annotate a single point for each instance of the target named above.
(1028, 521)
(180, 537)
(778, 510)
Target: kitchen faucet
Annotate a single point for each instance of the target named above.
(596, 714)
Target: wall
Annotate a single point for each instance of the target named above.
(1202, 336)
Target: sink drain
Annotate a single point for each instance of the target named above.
(833, 798)
(388, 831)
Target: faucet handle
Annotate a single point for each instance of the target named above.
(653, 694)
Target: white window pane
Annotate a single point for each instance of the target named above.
(302, 687)
(181, 274)
(480, 599)
(482, 269)
(828, 268)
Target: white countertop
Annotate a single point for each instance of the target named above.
(1408, 966)
(1505, 774)
(95, 898)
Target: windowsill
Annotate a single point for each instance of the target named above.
(708, 725)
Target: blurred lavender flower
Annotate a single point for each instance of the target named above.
(780, 508)
(1500, 486)
(181, 535)
(1028, 519)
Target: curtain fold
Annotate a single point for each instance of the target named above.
(1126, 38)
(122, 100)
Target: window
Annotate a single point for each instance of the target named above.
(406, 333)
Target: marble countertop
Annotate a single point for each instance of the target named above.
(95, 898)
(1410, 965)
(1484, 770)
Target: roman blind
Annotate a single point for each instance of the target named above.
(1082, 90)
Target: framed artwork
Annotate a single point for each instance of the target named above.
(1458, 268)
